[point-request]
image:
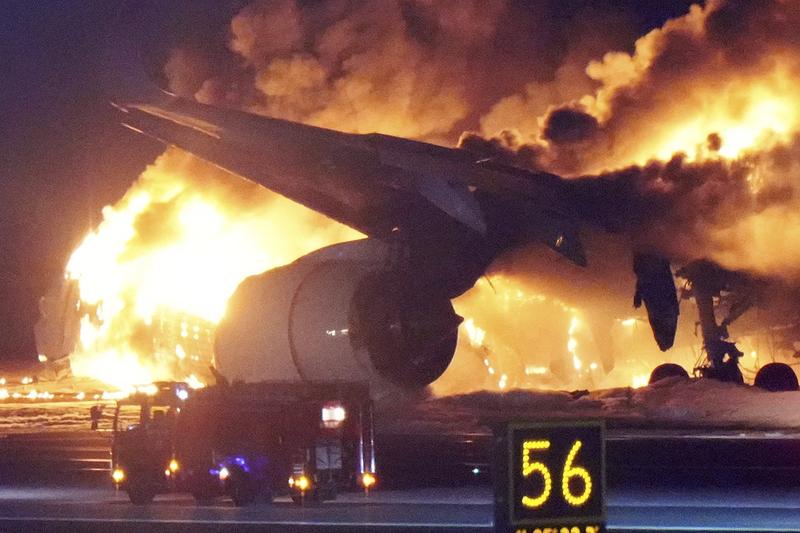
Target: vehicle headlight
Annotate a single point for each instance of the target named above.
(224, 473)
(302, 483)
(368, 479)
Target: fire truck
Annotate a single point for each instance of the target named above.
(248, 442)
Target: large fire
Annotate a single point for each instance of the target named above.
(764, 116)
(521, 334)
(744, 109)
(154, 277)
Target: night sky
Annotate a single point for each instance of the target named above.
(63, 154)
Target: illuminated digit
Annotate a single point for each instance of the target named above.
(572, 471)
(528, 468)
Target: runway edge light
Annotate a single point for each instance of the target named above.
(550, 475)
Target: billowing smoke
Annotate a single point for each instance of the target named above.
(741, 213)
(728, 70)
(414, 68)
(702, 121)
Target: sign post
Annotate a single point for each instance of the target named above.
(550, 477)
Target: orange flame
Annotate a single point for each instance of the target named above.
(171, 251)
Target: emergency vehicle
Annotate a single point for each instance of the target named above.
(248, 442)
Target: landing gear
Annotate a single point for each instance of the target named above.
(713, 290)
(777, 377)
(727, 371)
(706, 284)
(667, 370)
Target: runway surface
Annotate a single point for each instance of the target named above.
(668, 480)
(463, 510)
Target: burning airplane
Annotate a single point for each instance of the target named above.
(147, 291)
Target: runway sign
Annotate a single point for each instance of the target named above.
(550, 477)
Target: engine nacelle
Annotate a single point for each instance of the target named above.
(336, 315)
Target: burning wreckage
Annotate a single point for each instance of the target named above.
(379, 309)
(145, 296)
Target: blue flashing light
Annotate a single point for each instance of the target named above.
(241, 462)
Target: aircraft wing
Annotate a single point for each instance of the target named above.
(303, 163)
(373, 183)
(378, 184)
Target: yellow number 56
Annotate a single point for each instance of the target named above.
(570, 470)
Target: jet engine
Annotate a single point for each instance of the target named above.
(338, 314)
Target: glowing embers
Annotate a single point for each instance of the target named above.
(475, 334)
(572, 343)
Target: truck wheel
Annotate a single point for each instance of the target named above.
(241, 489)
(667, 370)
(140, 492)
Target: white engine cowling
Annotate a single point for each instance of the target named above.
(336, 315)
